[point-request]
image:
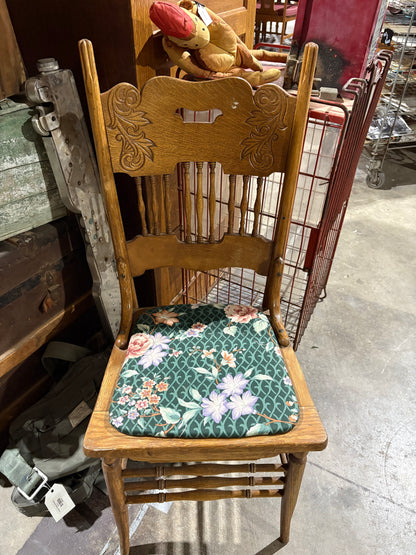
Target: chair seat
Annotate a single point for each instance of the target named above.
(278, 9)
(203, 371)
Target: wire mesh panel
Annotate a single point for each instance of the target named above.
(241, 286)
(333, 143)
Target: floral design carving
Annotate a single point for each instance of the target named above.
(127, 120)
(268, 119)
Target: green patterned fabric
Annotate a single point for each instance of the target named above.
(199, 371)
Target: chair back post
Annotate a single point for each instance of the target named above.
(274, 280)
(92, 88)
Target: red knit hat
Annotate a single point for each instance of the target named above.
(172, 20)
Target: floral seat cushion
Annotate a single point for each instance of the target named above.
(200, 371)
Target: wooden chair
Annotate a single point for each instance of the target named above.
(270, 11)
(200, 383)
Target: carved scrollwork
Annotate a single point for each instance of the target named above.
(268, 119)
(127, 120)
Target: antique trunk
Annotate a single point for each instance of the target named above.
(45, 287)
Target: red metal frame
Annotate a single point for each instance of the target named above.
(332, 148)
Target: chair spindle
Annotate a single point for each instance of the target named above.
(199, 202)
(165, 187)
(141, 205)
(231, 203)
(244, 204)
(156, 228)
(212, 201)
(188, 204)
(257, 206)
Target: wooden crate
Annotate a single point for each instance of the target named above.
(28, 193)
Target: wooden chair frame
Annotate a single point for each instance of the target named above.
(285, 129)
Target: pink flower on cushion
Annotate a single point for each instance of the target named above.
(139, 344)
(162, 386)
(240, 313)
(142, 404)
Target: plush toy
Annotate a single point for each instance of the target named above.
(201, 43)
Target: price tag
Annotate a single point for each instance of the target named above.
(203, 14)
(58, 502)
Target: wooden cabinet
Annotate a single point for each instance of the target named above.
(12, 74)
(127, 45)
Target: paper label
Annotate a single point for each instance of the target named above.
(80, 412)
(204, 15)
(58, 502)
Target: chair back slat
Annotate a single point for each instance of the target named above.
(147, 134)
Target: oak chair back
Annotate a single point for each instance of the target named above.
(149, 136)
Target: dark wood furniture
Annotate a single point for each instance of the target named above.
(272, 12)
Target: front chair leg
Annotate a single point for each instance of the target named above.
(294, 475)
(114, 481)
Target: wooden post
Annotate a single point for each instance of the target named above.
(297, 462)
(114, 481)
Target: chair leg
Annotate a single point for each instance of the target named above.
(113, 479)
(294, 475)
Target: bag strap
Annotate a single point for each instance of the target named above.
(59, 350)
(29, 480)
(84, 488)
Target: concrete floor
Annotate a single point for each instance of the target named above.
(358, 355)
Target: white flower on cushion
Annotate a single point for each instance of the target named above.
(208, 354)
(243, 404)
(233, 385)
(153, 357)
(215, 406)
(117, 422)
(159, 339)
(138, 345)
(228, 358)
(287, 380)
(240, 313)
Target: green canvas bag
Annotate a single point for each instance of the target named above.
(46, 440)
